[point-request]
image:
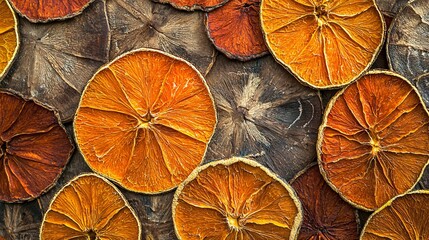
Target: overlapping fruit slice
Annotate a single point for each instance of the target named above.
(144, 121)
(326, 215)
(190, 5)
(9, 41)
(89, 207)
(374, 140)
(405, 217)
(324, 43)
(235, 199)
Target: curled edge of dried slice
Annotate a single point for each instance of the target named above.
(227, 162)
(18, 42)
(193, 7)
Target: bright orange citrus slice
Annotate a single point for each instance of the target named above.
(9, 41)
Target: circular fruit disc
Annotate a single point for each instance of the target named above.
(422, 84)
(325, 44)
(144, 121)
(374, 140)
(9, 40)
(404, 217)
(89, 207)
(407, 40)
(235, 199)
(34, 148)
(326, 215)
(235, 29)
(57, 59)
(145, 24)
(264, 112)
(47, 10)
(390, 7)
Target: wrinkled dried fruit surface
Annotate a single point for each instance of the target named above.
(235, 29)
(20, 221)
(47, 10)
(191, 5)
(325, 214)
(89, 207)
(407, 40)
(264, 112)
(144, 121)
(422, 84)
(143, 23)
(390, 7)
(324, 43)
(405, 217)
(34, 148)
(374, 143)
(57, 59)
(235, 199)
(8, 37)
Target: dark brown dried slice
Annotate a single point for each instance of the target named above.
(407, 40)
(263, 111)
(325, 214)
(137, 24)
(57, 59)
(390, 7)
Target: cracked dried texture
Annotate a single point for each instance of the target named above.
(34, 148)
(145, 120)
(324, 43)
(405, 217)
(407, 41)
(8, 37)
(264, 112)
(235, 199)
(390, 7)
(422, 84)
(325, 214)
(137, 24)
(374, 141)
(20, 221)
(235, 29)
(89, 207)
(57, 59)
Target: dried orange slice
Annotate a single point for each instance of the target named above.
(191, 5)
(326, 44)
(9, 40)
(235, 29)
(144, 121)
(235, 199)
(89, 207)
(404, 217)
(374, 140)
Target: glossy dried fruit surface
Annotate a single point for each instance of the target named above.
(235, 29)
(405, 217)
(325, 44)
(374, 140)
(9, 41)
(235, 199)
(144, 121)
(89, 207)
(34, 148)
(325, 214)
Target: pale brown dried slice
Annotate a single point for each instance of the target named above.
(20, 221)
(137, 24)
(57, 59)
(422, 84)
(9, 37)
(265, 113)
(390, 7)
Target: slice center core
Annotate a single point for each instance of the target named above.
(146, 120)
(92, 235)
(321, 14)
(234, 223)
(3, 149)
(375, 144)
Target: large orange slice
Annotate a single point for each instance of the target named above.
(9, 41)
(326, 44)
(144, 121)
(374, 140)
(235, 199)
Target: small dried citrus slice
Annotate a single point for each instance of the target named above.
(34, 148)
(235, 199)
(235, 29)
(326, 44)
(374, 140)
(326, 215)
(9, 40)
(89, 207)
(144, 121)
(404, 217)
(191, 5)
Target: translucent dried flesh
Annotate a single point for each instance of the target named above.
(145, 120)
(325, 214)
(8, 37)
(89, 207)
(235, 199)
(34, 148)
(324, 43)
(406, 217)
(374, 141)
(235, 29)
